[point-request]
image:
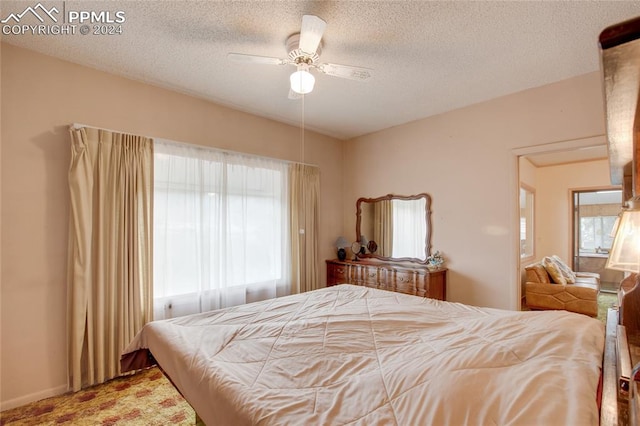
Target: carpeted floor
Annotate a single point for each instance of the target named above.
(146, 398)
(606, 301)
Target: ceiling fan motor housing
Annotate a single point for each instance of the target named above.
(298, 56)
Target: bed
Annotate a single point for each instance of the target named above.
(355, 355)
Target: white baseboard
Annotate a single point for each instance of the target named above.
(37, 396)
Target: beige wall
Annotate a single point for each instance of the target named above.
(41, 96)
(553, 204)
(465, 159)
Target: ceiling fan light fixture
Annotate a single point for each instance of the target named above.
(302, 81)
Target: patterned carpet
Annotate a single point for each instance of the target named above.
(606, 301)
(146, 398)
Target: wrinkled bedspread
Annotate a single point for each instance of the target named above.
(356, 355)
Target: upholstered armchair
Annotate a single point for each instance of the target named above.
(547, 286)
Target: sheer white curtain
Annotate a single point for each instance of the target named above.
(221, 235)
(409, 227)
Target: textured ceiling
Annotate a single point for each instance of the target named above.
(427, 57)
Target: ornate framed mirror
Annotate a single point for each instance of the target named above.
(395, 227)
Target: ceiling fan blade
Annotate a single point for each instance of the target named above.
(294, 95)
(311, 33)
(254, 59)
(346, 71)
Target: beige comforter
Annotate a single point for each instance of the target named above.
(355, 355)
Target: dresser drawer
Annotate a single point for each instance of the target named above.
(415, 280)
(369, 276)
(337, 274)
(404, 281)
(422, 285)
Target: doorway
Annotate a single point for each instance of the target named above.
(526, 166)
(593, 222)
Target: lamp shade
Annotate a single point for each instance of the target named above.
(302, 81)
(625, 252)
(614, 228)
(342, 242)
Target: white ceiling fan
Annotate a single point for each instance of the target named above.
(304, 50)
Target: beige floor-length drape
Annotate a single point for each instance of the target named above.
(110, 286)
(304, 194)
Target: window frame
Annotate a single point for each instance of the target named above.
(530, 196)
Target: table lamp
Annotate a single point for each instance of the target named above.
(625, 251)
(625, 256)
(341, 243)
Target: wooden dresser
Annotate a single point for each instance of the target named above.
(407, 278)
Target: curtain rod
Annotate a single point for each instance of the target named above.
(227, 151)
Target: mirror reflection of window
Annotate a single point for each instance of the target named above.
(527, 197)
(409, 227)
(398, 225)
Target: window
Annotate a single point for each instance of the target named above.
(220, 229)
(595, 233)
(594, 217)
(527, 196)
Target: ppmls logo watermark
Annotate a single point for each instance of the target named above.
(57, 20)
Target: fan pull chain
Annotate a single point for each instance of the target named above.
(302, 130)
